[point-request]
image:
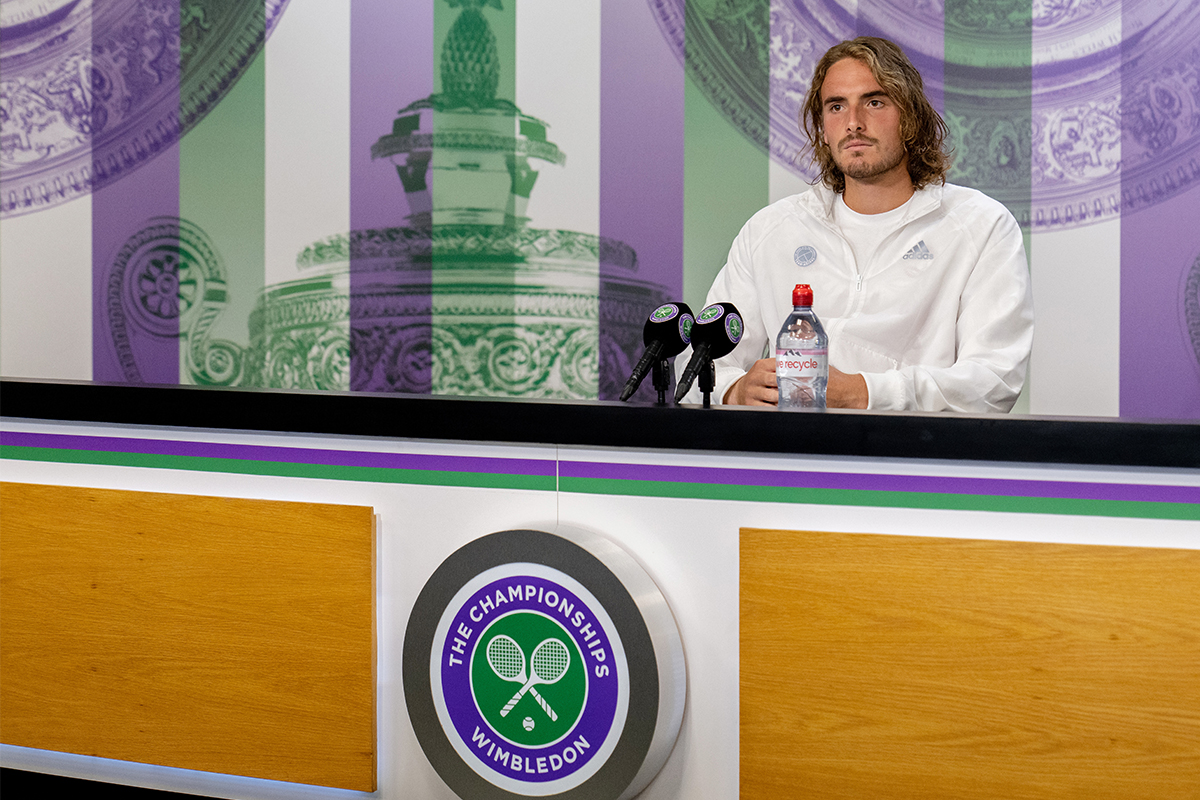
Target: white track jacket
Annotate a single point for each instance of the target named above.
(940, 319)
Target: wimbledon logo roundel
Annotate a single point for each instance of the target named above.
(540, 664)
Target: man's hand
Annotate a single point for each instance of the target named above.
(845, 390)
(757, 387)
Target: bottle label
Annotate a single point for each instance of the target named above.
(802, 363)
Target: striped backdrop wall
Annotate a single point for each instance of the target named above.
(487, 196)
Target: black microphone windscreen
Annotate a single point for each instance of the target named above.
(717, 331)
(720, 326)
(668, 330)
(671, 324)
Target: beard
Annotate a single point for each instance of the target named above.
(865, 166)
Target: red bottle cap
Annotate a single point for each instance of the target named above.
(802, 295)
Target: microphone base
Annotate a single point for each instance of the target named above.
(661, 375)
(708, 381)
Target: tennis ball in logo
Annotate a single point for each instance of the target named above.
(526, 668)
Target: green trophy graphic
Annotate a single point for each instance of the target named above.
(466, 297)
(527, 676)
(168, 281)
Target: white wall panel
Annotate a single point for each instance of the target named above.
(1077, 333)
(308, 132)
(46, 293)
(782, 182)
(558, 81)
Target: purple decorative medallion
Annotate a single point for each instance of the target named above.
(1113, 110)
(93, 90)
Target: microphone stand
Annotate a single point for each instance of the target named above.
(660, 374)
(708, 381)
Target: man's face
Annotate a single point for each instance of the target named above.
(861, 124)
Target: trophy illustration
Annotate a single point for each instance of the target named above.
(465, 298)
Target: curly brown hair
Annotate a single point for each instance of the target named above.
(922, 129)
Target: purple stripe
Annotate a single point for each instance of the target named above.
(630, 472)
(1160, 242)
(641, 183)
(283, 455)
(123, 350)
(641, 141)
(1160, 364)
(881, 483)
(391, 66)
(391, 60)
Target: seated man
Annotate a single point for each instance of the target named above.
(922, 286)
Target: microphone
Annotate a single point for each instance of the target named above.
(717, 331)
(666, 333)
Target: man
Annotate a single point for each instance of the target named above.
(922, 286)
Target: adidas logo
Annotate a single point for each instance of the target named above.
(919, 250)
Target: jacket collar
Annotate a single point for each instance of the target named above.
(819, 200)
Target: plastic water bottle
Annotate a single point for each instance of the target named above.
(802, 356)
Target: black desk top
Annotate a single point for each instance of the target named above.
(1046, 440)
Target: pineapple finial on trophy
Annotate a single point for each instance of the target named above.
(470, 65)
(463, 154)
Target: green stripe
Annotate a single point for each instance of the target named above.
(726, 176)
(988, 50)
(879, 499)
(610, 486)
(463, 47)
(222, 190)
(478, 480)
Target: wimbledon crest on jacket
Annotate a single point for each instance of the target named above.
(531, 670)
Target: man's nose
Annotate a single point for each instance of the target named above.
(854, 120)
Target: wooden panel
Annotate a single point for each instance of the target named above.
(232, 636)
(881, 666)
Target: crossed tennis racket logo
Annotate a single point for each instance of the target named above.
(548, 664)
